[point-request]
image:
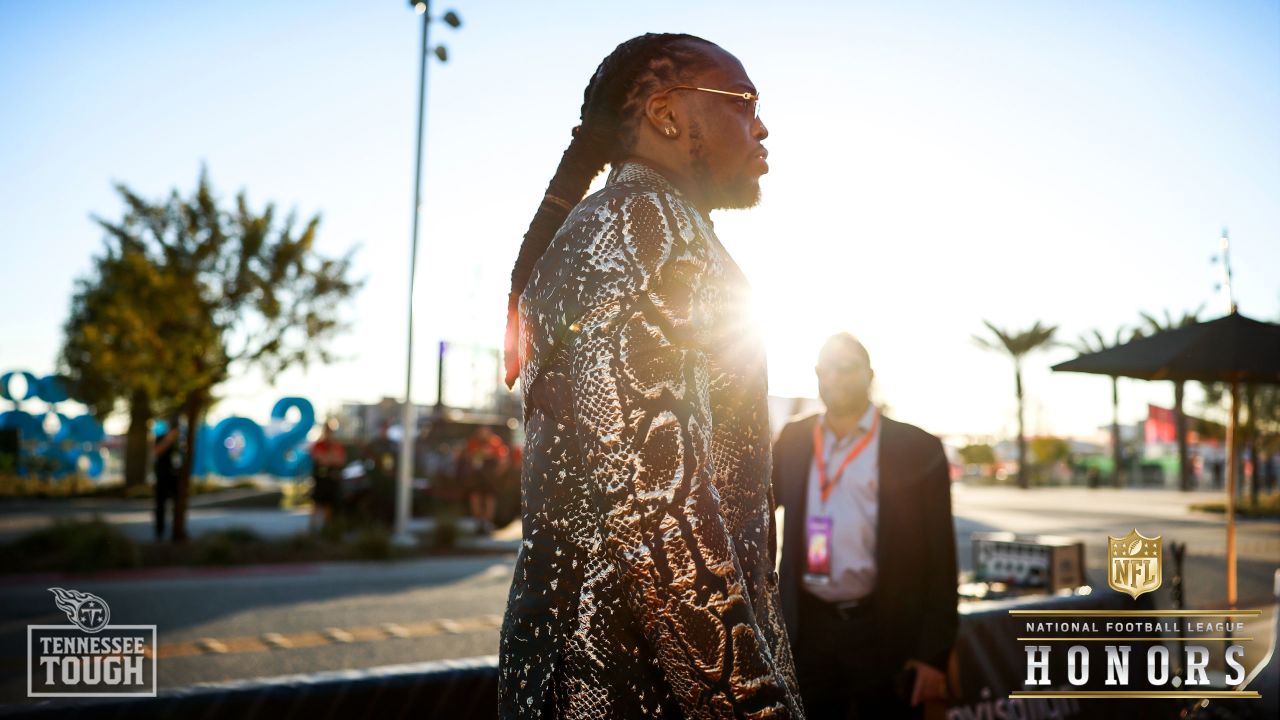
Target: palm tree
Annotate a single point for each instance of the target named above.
(1098, 343)
(1154, 325)
(1018, 345)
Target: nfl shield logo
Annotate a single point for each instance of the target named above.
(1134, 563)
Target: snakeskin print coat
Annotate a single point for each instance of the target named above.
(644, 586)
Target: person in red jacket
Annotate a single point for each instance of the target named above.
(484, 459)
(328, 456)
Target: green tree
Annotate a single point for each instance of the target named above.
(1097, 342)
(978, 454)
(1047, 450)
(128, 319)
(1154, 325)
(1018, 345)
(253, 291)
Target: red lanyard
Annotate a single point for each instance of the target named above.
(827, 484)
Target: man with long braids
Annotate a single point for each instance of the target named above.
(644, 586)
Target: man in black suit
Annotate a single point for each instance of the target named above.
(868, 550)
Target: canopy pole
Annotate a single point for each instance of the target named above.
(1231, 494)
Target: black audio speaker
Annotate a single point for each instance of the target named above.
(1047, 562)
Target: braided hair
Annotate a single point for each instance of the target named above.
(612, 106)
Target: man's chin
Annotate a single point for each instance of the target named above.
(842, 406)
(746, 195)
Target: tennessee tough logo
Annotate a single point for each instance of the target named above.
(86, 610)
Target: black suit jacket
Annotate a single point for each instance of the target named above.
(915, 539)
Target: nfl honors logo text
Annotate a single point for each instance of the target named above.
(1128, 650)
(90, 657)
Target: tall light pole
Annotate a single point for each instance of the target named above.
(408, 416)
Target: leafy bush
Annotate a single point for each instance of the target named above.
(39, 486)
(978, 454)
(446, 532)
(1268, 506)
(75, 546)
(224, 547)
(335, 529)
(238, 535)
(202, 486)
(35, 486)
(373, 543)
(303, 542)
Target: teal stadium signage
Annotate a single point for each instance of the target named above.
(57, 444)
(57, 451)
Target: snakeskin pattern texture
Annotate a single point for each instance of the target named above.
(644, 586)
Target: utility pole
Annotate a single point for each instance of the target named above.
(408, 415)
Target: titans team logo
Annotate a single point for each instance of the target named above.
(86, 610)
(1134, 563)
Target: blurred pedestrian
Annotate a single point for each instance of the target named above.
(483, 460)
(328, 458)
(377, 500)
(868, 551)
(167, 464)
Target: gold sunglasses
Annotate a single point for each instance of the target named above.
(752, 98)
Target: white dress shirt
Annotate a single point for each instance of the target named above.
(852, 506)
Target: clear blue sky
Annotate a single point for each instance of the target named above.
(933, 164)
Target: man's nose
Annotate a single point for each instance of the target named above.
(759, 132)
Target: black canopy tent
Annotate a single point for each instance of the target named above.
(1233, 349)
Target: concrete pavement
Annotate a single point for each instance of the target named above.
(233, 623)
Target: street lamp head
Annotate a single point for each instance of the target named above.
(452, 20)
(418, 6)
(442, 53)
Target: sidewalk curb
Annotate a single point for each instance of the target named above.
(176, 572)
(181, 572)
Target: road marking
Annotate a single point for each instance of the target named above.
(212, 646)
(339, 635)
(275, 642)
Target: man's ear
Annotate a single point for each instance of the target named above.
(659, 111)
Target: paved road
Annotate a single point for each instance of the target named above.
(327, 616)
(241, 623)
